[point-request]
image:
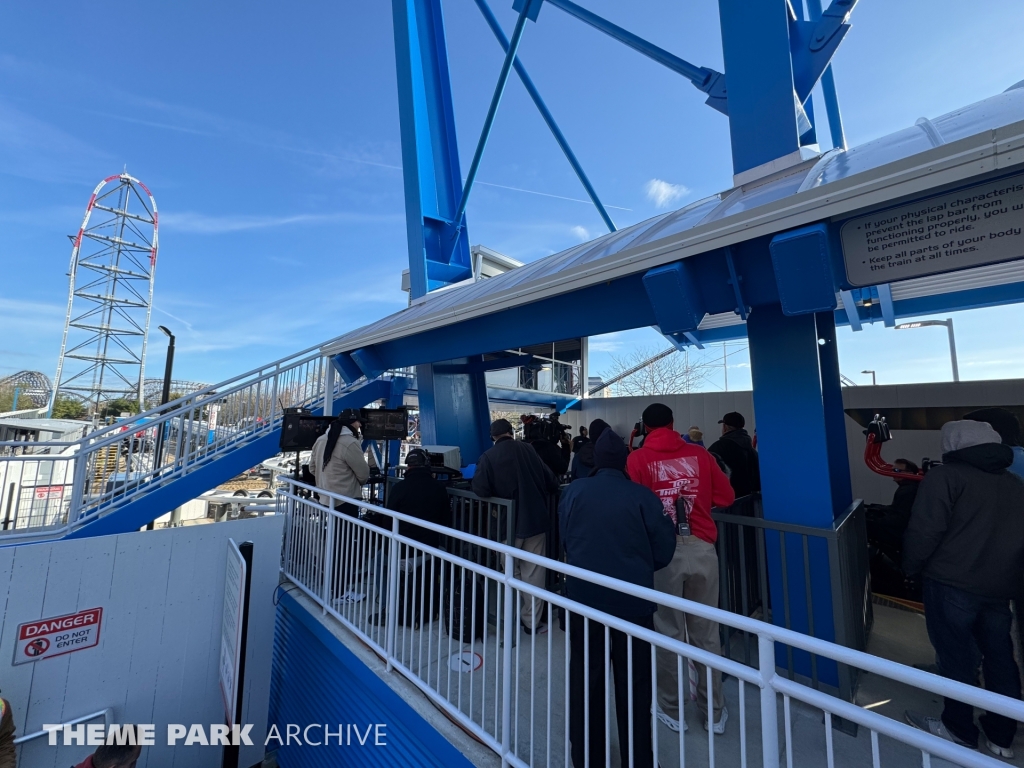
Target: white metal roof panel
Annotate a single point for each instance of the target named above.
(984, 137)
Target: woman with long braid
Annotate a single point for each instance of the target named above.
(338, 462)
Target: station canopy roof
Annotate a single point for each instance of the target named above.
(982, 139)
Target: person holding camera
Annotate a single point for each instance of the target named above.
(617, 528)
(513, 470)
(689, 482)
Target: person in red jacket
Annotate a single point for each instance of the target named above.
(689, 482)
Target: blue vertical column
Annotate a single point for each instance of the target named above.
(759, 68)
(805, 476)
(459, 413)
(430, 153)
(453, 406)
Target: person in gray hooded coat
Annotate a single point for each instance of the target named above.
(966, 538)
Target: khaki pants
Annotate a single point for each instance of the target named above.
(693, 575)
(533, 575)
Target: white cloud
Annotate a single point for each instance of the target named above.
(663, 193)
(604, 346)
(581, 233)
(201, 223)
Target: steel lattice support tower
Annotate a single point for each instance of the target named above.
(110, 298)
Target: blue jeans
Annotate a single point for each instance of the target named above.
(956, 620)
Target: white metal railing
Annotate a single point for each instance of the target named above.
(449, 625)
(120, 462)
(107, 714)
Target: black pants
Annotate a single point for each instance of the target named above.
(954, 619)
(596, 696)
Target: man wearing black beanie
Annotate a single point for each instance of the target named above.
(688, 481)
(513, 470)
(615, 527)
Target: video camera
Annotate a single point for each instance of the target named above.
(546, 428)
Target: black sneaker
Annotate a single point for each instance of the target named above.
(540, 629)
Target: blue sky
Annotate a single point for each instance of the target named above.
(270, 140)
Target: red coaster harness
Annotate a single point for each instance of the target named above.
(878, 433)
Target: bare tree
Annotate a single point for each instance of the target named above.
(675, 373)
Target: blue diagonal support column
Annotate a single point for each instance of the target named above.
(529, 8)
(545, 113)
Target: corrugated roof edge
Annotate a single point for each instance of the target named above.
(983, 152)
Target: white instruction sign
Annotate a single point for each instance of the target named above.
(979, 225)
(46, 638)
(231, 629)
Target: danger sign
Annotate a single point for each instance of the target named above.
(57, 636)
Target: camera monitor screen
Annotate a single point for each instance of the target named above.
(299, 431)
(383, 424)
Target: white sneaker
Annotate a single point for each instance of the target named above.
(719, 727)
(668, 722)
(936, 727)
(998, 751)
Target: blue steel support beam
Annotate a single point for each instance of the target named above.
(704, 79)
(545, 113)
(886, 305)
(734, 281)
(828, 90)
(796, 381)
(438, 248)
(454, 409)
(852, 311)
(430, 155)
(492, 111)
(758, 62)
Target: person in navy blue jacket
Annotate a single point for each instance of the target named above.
(617, 528)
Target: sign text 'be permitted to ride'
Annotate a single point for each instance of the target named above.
(54, 637)
(983, 224)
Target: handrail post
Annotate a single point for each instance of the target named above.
(506, 663)
(78, 486)
(329, 544)
(391, 619)
(769, 706)
(289, 521)
(273, 394)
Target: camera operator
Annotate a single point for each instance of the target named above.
(544, 435)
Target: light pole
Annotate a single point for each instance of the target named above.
(873, 380)
(948, 322)
(166, 395)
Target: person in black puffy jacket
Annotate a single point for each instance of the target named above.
(966, 538)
